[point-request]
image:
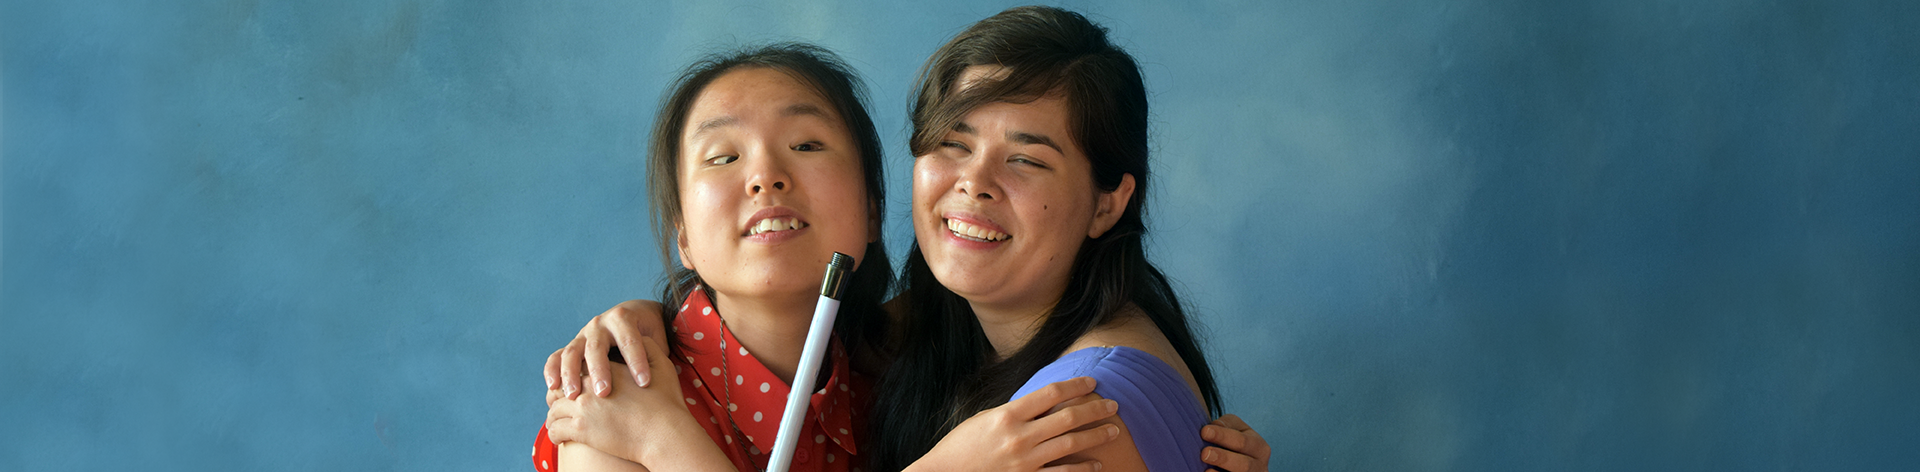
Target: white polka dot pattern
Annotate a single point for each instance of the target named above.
(751, 412)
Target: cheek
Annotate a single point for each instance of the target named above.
(1063, 215)
(701, 210)
(928, 183)
(840, 186)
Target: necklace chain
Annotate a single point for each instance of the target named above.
(726, 389)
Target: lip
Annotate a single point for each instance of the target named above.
(975, 220)
(773, 236)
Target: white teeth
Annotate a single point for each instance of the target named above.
(975, 232)
(775, 224)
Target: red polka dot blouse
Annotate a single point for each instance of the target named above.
(740, 402)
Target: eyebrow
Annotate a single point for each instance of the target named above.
(1030, 138)
(714, 123)
(1015, 136)
(799, 109)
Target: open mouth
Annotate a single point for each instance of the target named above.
(773, 225)
(975, 233)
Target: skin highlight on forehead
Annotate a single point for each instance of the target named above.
(974, 75)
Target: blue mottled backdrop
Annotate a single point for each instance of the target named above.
(1464, 235)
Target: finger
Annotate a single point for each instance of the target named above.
(1224, 437)
(552, 370)
(1226, 460)
(1233, 421)
(1256, 445)
(570, 368)
(626, 335)
(1073, 417)
(656, 353)
(553, 394)
(648, 319)
(1074, 442)
(1088, 466)
(561, 430)
(598, 341)
(562, 422)
(1039, 401)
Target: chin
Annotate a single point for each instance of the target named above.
(963, 286)
(774, 289)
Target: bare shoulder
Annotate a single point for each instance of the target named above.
(1131, 328)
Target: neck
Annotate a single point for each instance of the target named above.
(773, 329)
(1009, 328)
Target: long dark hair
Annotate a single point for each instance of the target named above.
(947, 370)
(861, 326)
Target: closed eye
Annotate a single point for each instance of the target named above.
(1017, 159)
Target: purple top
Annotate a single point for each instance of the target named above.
(1160, 411)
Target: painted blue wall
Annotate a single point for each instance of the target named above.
(1472, 235)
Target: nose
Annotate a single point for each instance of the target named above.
(976, 180)
(769, 173)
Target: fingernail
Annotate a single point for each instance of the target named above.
(1112, 431)
(1087, 381)
(600, 387)
(642, 379)
(1213, 456)
(1096, 465)
(1207, 433)
(567, 391)
(1112, 406)
(549, 383)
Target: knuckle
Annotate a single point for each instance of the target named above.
(1065, 388)
(1053, 391)
(1241, 462)
(1072, 442)
(621, 313)
(1233, 440)
(1080, 415)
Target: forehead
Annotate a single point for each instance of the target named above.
(973, 75)
(754, 93)
(1048, 112)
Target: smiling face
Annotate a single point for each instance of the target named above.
(770, 186)
(1002, 205)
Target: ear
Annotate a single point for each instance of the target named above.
(680, 241)
(1112, 205)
